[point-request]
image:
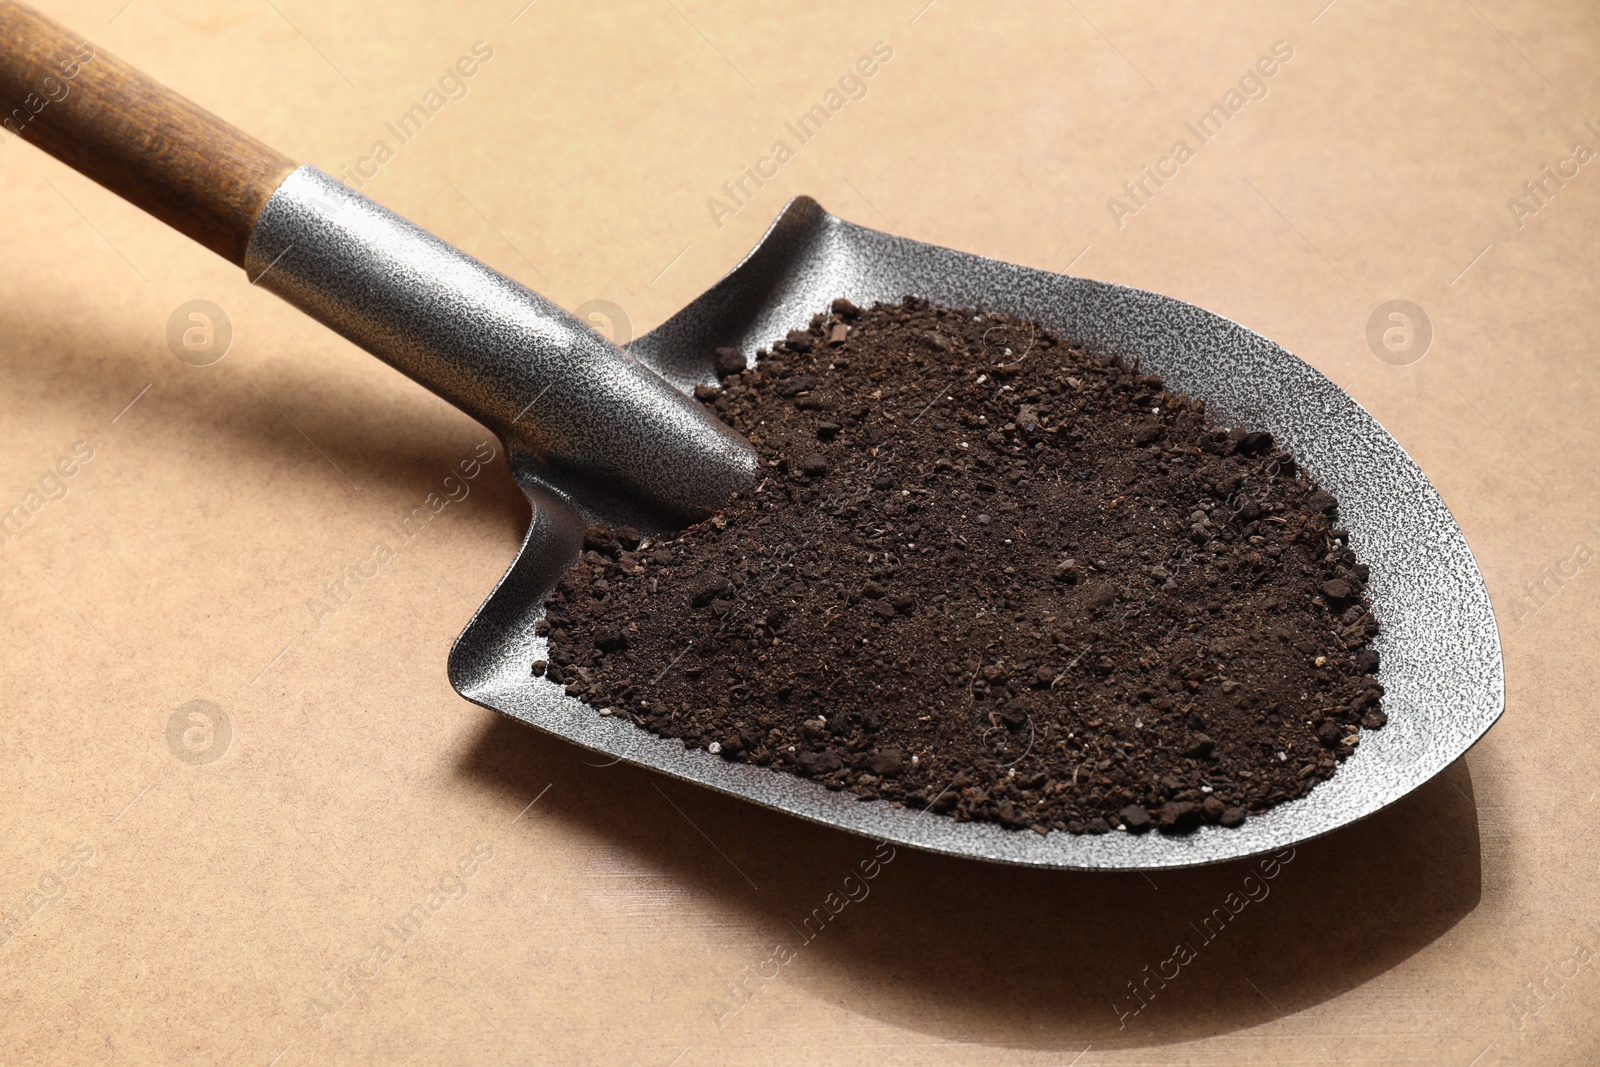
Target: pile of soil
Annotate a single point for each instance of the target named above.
(992, 575)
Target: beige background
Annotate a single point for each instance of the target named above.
(623, 918)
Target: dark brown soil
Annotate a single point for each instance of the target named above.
(992, 575)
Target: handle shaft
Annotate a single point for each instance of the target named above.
(557, 392)
(133, 135)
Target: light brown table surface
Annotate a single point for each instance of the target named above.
(241, 910)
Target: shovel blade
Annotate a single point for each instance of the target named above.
(1440, 649)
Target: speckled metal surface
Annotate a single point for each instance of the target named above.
(1439, 644)
(589, 418)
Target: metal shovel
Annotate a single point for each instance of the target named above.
(593, 433)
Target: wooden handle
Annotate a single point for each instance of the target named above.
(131, 134)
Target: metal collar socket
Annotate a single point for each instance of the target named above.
(547, 384)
